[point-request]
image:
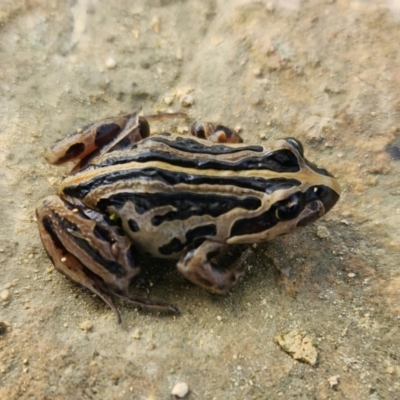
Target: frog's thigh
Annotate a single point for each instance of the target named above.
(196, 266)
(86, 249)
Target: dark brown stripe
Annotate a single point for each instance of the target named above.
(110, 265)
(186, 204)
(286, 210)
(133, 225)
(318, 170)
(105, 133)
(174, 178)
(195, 236)
(48, 225)
(279, 161)
(192, 146)
(74, 151)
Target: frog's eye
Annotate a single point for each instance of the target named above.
(296, 144)
(289, 208)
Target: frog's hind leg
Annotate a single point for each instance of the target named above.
(96, 136)
(83, 246)
(99, 137)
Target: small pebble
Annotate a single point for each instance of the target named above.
(168, 100)
(270, 6)
(373, 114)
(136, 334)
(187, 100)
(257, 72)
(151, 346)
(390, 369)
(334, 381)
(182, 129)
(155, 24)
(25, 361)
(5, 295)
(219, 318)
(111, 63)
(322, 232)
(180, 390)
(63, 259)
(86, 326)
(52, 181)
(135, 33)
(351, 275)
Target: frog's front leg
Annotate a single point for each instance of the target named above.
(84, 246)
(196, 266)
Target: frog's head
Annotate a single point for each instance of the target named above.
(302, 193)
(320, 190)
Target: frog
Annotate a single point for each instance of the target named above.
(173, 196)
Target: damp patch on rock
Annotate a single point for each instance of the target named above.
(393, 149)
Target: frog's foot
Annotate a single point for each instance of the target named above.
(84, 246)
(215, 133)
(196, 266)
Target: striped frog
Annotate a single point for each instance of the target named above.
(171, 196)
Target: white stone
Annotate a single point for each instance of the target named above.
(5, 295)
(111, 63)
(180, 390)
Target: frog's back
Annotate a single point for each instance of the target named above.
(172, 191)
(172, 161)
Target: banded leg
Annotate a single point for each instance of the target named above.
(102, 136)
(196, 266)
(86, 248)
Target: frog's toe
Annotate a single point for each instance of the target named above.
(145, 303)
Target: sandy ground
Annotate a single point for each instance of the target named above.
(324, 71)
